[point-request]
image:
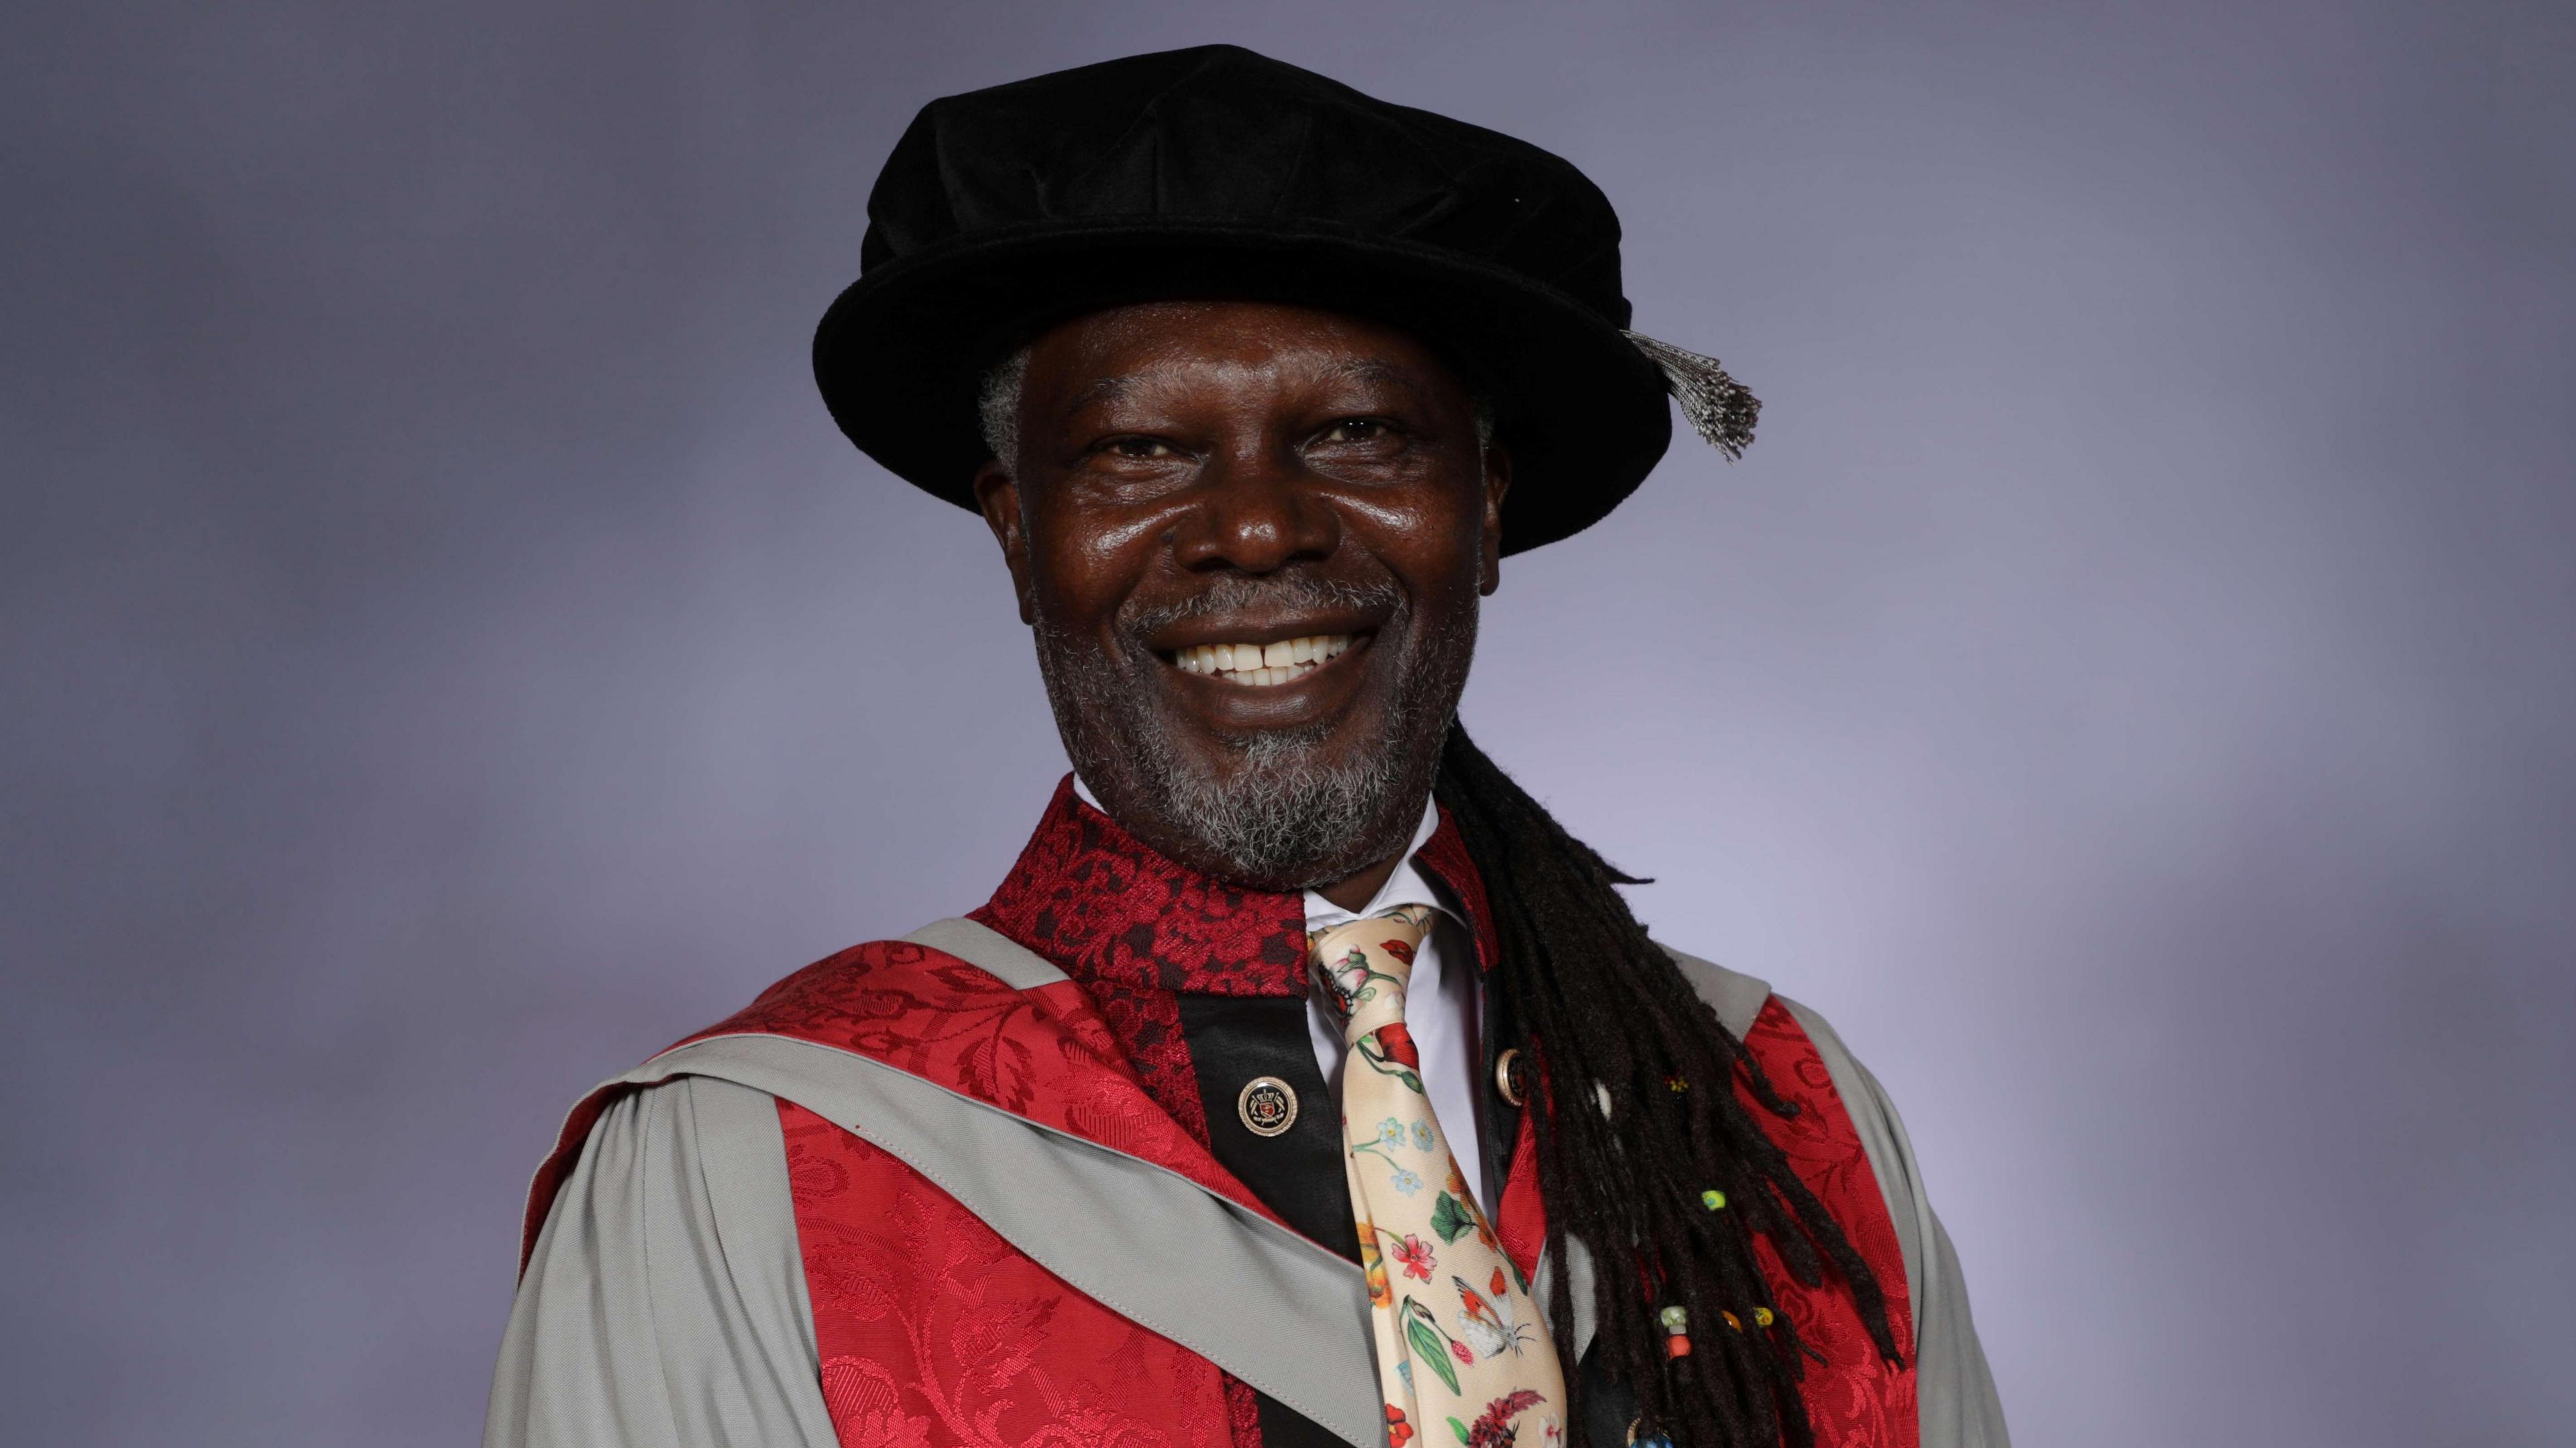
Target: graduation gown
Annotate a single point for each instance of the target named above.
(982, 1187)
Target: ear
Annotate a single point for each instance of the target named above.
(997, 496)
(1498, 481)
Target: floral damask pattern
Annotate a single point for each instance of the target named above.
(1045, 1055)
(1060, 1055)
(1146, 1020)
(1106, 907)
(934, 1333)
(1855, 1398)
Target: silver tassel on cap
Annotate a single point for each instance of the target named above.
(1717, 406)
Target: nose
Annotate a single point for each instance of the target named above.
(1258, 512)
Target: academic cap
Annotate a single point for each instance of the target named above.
(1216, 172)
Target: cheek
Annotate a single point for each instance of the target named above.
(1440, 553)
(1083, 567)
(1430, 524)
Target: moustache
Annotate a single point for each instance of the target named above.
(1234, 593)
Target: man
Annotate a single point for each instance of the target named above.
(1305, 1082)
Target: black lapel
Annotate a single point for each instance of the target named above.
(1236, 1040)
(1284, 1427)
(1609, 1406)
(1498, 1121)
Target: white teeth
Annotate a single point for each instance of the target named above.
(1262, 665)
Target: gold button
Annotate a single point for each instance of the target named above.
(1508, 1076)
(1267, 1105)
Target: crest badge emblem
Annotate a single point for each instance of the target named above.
(1268, 1106)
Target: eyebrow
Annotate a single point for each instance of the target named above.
(1100, 389)
(1378, 369)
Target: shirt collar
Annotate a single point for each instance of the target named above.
(1406, 886)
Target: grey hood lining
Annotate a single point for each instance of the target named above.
(990, 951)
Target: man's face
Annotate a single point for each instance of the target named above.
(1195, 481)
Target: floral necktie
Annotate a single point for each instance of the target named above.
(1459, 1345)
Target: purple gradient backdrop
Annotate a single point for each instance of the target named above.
(448, 652)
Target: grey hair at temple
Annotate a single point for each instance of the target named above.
(997, 406)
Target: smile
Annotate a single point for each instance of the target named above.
(1262, 665)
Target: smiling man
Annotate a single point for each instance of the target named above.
(1304, 1083)
(1249, 539)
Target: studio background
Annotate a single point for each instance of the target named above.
(2127, 687)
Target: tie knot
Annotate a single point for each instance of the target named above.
(1366, 963)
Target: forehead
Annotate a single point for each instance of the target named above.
(1152, 346)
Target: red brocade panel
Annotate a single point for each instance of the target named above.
(1855, 1398)
(934, 1333)
(1044, 1055)
(1105, 906)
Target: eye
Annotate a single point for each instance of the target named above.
(1357, 429)
(1141, 448)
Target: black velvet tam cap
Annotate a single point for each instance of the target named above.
(1216, 172)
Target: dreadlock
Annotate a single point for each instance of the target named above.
(1601, 1003)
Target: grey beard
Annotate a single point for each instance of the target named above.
(1286, 820)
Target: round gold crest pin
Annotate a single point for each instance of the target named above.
(1268, 1106)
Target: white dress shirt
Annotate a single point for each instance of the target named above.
(1440, 1004)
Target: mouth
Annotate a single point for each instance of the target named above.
(1261, 665)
